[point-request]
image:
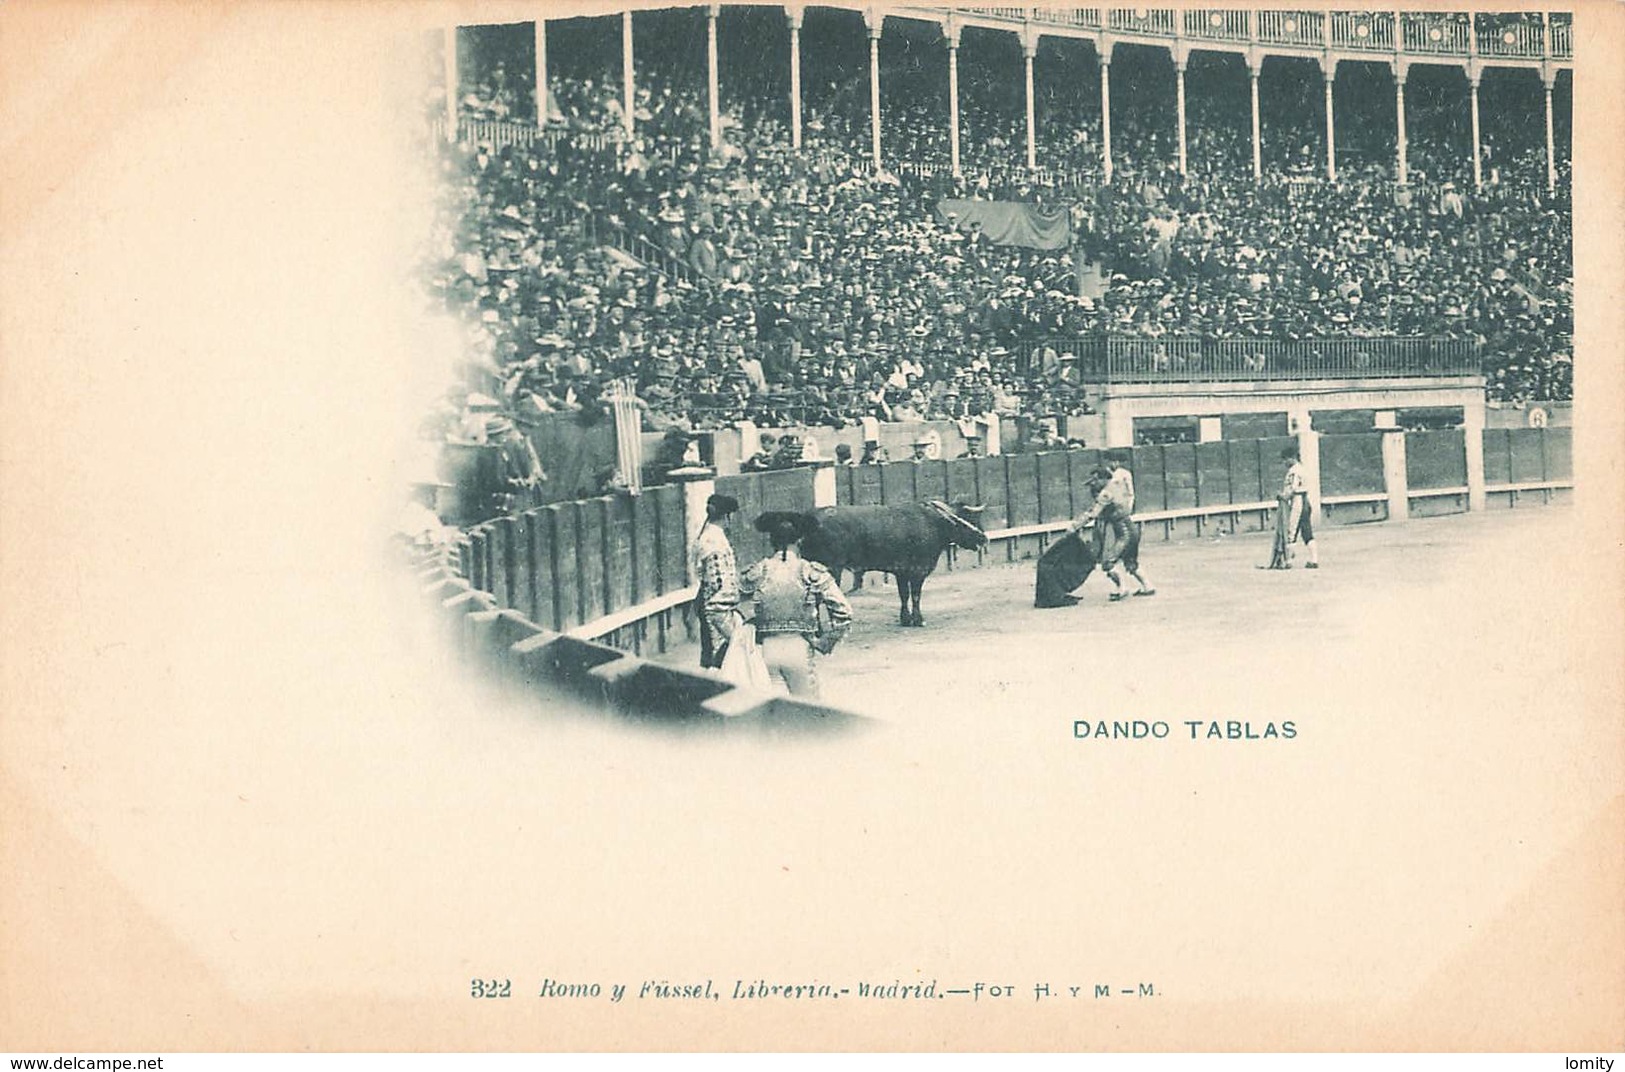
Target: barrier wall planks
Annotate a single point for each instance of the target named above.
(1178, 477)
(1559, 444)
(897, 483)
(590, 524)
(1054, 487)
(673, 540)
(570, 564)
(1021, 474)
(1080, 465)
(1351, 464)
(1436, 459)
(621, 576)
(1528, 455)
(1245, 479)
(567, 577)
(1271, 469)
(505, 557)
(1213, 474)
(541, 569)
(930, 480)
(1150, 493)
(962, 486)
(865, 484)
(990, 481)
(1497, 456)
(645, 564)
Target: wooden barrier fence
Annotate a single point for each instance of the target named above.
(614, 569)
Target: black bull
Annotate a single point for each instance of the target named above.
(905, 541)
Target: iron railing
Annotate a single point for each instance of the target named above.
(1190, 359)
(1422, 33)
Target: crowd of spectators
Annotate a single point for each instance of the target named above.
(754, 282)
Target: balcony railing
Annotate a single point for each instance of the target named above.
(1446, 34)
(1522, 39)
(1300, 28)
(1519, 37)
(1562, 42)
(1217, 25)
(1141, 20)
(1189, 359)
(1363, 31)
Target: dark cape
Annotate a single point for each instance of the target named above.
(1062, 568)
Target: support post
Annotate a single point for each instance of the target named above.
(1029, 50)
(1105, 49)
(1181, 59)
(1329, 67)
(1474, 76)
(628, 97)
(1119, 425)
(875, 21)
(711, 14)
(540, 27)
(1401, 70)
(1473, 439)
(823, 482)
(794, 15)
(1255, 66)
(1393, 475)
(952, 28)
(699, 484)
(452, 79)
(1548, 77)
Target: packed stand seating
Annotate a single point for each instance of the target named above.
(790, 288)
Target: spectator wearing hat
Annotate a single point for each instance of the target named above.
(799, 611)
(716, 598)
(521, 469)
(767, 448)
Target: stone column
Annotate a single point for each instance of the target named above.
(628, 96)
(1393, 474)
(711, 14)
(1181, 58)
(699, 484)
(1106, 110)
(540, 27)
(794, 14)
(1548, 77)
(823, 481)
(875, 21)
(1255, 66)
(1029, 49)
(1119, 425)
(1473, 440)
(1401, 71)
(951, 29)
(452, 79)
(1474, 76)
(1329, 67)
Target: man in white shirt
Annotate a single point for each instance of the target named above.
(717, 575)
(1112, 510)
(1294, 503)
